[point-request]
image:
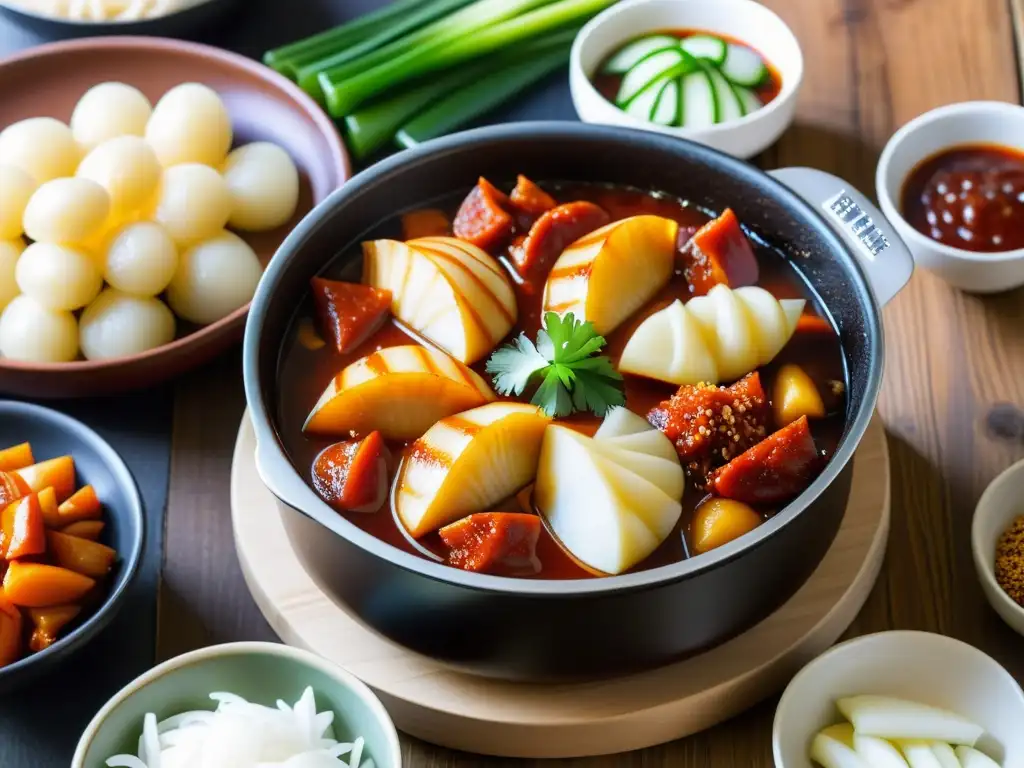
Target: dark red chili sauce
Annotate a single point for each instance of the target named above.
(969, 197)
(767, 91)
(816, 347)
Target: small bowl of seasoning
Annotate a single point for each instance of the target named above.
(724, 73)
(952, 183)
(997, 539)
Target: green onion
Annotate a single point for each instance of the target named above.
(477, 98)
(373, 125)
(308, 70)
(288, 58)
(476, 35)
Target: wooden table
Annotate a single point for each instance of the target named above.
(871, 66)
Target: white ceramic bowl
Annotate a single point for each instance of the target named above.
(1001, 502)
(744, 20)
(972, 122)
(919, 666)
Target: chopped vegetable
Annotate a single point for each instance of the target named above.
(744, 66)
(529, 199)
(693, 419)
(16, 457)
(778, 468)
(483, 218)
(795, 395)
(88, 558)
(10, 631)
(719, 254)
(426, 222)
(553, 232)
(492, 542)
(571, 377)
(892, 718)
(82, 505)
(972, 758)
(22, 532)
(47, 624)
(666, 63)
(85, 529)
(700, 106)
(477, 30)
(877, 753)
(706, 47)
(946, 755)
(12, 488)
(349, 313)
(58, 473)
(719, 521)
(353, 475)
(634, 52)
(50, 509)
(833, 748)
(240, 733)
(35, 585)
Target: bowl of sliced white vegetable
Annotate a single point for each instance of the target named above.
(901, 700)
(725, 73)
(242, 704)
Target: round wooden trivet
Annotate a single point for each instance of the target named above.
(456, 710)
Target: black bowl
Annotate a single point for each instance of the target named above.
(526, 629)
(53, 434)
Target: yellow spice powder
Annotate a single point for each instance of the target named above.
(1010, 560)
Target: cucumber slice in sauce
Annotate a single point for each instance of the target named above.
(642, 105)
(645, 72)
(749, 100)
(633, 53)
(699, 107)
(744, 66)
(705, 47)
(666, 109)
(729, 106)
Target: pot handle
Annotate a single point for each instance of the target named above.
(882, 253)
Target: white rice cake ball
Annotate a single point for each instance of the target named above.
(141, 259)
(16, 187)
(109, 110)
(214, 278)
(32, 333)
(66, 211)
(119, 325)
(41, 146)
(57, 276)
(264, 185)
(193, 204)
(10, 250)
(127, 168)
(190, 124)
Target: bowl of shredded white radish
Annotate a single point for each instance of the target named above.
(242, 705)
(74, 18)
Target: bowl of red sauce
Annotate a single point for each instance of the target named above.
(952, 182)
(724, 73)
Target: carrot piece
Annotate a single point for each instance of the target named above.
(719, 254)
(16, 457)
(22, 531)
(10, 632)
(80, 555)
(48, 505)
(85, 529)
(353, 475)
(349, 313)
(553, 232)
(530, 199)
(83, 505)
(48, 622)
(812, 323)
(34, 585)
(493, 541)
(12, 488)
(59, 473)
(428, 222)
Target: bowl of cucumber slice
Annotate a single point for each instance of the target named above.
(725, 73)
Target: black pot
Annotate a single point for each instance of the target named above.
(526, 629)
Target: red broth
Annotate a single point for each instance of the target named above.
(768, 91)
(969, 197)
(816, 347)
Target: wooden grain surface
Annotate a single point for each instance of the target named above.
(872, 65)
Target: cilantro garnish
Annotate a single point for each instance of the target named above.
(563, 361)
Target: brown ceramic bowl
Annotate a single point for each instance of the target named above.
(49, 80)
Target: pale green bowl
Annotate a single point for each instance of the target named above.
(259, 672)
